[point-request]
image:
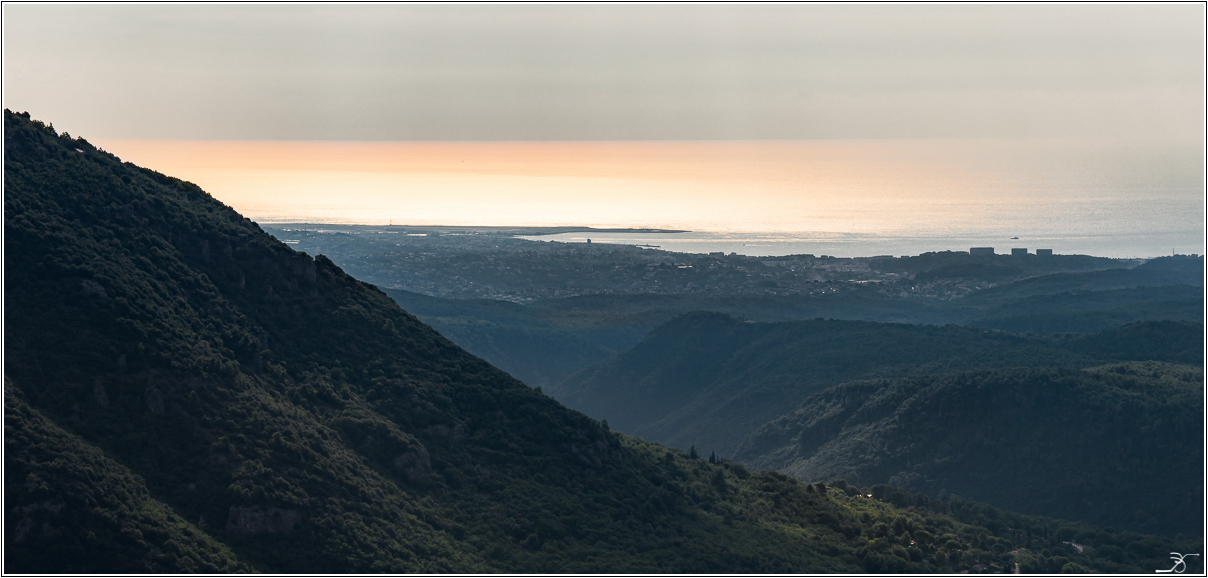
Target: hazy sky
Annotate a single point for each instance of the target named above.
(612, 72)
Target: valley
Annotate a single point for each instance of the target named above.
(725, 362)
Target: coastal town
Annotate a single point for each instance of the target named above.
(490, 264)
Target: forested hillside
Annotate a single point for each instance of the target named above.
(710, 380)
(185, 393)
(1076, 444)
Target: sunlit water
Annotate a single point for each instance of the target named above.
(843, 198)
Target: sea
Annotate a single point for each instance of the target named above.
(843, 198)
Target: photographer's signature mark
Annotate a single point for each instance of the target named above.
(1179, 564)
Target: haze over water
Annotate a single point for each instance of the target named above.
(836, 197)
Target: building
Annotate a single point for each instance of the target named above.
(981, 250)
(1044, 252)
(1019, 252)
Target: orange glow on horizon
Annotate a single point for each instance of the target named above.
(839, 186)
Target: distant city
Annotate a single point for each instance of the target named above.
(491, 263)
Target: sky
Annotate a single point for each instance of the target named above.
(1077, 126)
(608, 72)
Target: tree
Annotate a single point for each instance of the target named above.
(692, 455)
(719, 481)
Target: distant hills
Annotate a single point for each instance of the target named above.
(1089, 311)
(1078, 444)
(710, 380)
(544, 341)
(1163, 271)
(713, 382)
(543, 311)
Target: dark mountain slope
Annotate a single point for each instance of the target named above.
(297, 414)
(711, 380)
(1079, 444)
(73, 510)
(221, 366)
(300, 418)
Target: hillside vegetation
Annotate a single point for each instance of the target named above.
(1076, 444)
(74, 510)
(711, 380)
